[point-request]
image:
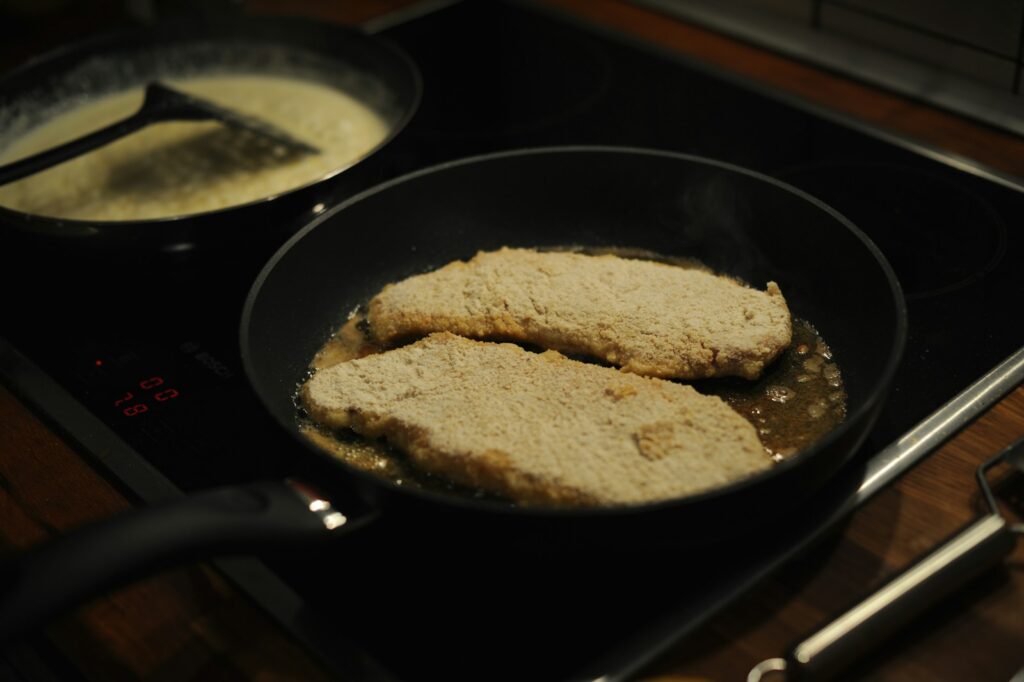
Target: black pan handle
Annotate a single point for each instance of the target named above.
(962, 557)
(252, 518)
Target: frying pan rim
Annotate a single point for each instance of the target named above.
(877, 393)
(55, 226)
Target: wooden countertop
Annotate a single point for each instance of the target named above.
(192, 624)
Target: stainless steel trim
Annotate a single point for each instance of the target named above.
(404, 15)
(916, 79)
(328, 515)
(814, 645)
(624, 662)
(952, 159)
(914, 445)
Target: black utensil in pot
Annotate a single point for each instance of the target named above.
(365, 67)
(161, 103)
(736, 221)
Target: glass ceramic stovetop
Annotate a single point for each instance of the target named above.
(151, 350)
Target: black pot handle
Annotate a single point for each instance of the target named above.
(252, 518)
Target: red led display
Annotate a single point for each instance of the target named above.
(138, 405)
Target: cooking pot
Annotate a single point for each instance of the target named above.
(738, 222)
(365, 67)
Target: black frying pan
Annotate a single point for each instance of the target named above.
(364, 66)
(736, 221)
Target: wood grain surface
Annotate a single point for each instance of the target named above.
(192, 624)
(183, 624)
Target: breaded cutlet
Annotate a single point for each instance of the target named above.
(646, 317)
(537, 428)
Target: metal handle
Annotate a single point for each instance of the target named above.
(249, 518)
(959, 559)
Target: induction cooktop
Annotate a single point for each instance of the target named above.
(138, 362)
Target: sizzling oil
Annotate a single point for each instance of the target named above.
(797, 400)
(354, 340)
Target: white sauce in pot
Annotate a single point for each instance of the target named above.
(181, 168)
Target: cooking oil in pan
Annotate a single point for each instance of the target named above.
(797, 400)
